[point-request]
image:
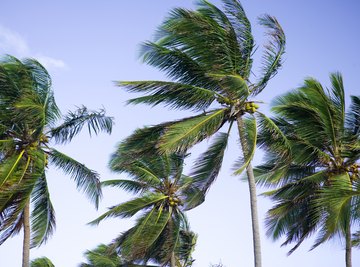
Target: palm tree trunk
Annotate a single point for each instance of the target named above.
(173, 262)
(171, 228)
(26, 241)
(253, 196)
(348, 246)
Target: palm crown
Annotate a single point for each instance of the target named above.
(207, 54)
(28, 115)
(161, 229)
(314, 161)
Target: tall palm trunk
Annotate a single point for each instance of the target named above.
(172, 257)
(253, 196)
(173, 261)
(348, 245)
(26, 241)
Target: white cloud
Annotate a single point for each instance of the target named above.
(50, 63)
(14, 44)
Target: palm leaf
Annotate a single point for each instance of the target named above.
(234, 86)
(96, 121)
(87, 180)
(250, 131)
(353, 116)
(337, 97)
(208, 165)
(9, 166)
(130, 208)
(174, 95)
(274, 51)
(184, 134)
(41, 262)
(127, 185)
(43, 215)
(142, 142)
(242, 29)
(102, 255)
(176, 64)
(271, 137)
(16, 197)
(148, 230)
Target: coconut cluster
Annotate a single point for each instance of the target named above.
(354, 170)
(251, 107)
(174, 201)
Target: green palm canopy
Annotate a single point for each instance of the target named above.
(28, 130)
(314, 164)
(207, 55)
(161, 233)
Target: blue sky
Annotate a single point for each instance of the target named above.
(86, 45)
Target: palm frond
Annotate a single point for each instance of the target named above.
(249, 145)
(187, 132)
(242, 28)
(274, 51)
(208, 165)
(142, 142)
(149, 228)
(338, 201)
(332, 123)
(212, 47)
(176, 64)
(174, 95)
(233, 86)
(8, 167)
(144, 169)
(41, 262)
(193, 198)
(337, 99)
(43, 90)
(43, 215)
(96, 122)
(13, 200)
(102, 255)
(11, 223)
(271, 137)
(129, 208)
(86, 180)
(127, 185)
(353, 116)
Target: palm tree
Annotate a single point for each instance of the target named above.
(313, 161)
(208, 55)
(28, 115)
(41, 262)
(161, 233)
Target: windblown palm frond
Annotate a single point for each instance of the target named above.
(187, 132)
(274, 50)
(41, 262)
(43, 215)
(208, 165)
(86, 180)
(96, 121)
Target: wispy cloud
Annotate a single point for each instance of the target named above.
(13, 43)
(50, 62)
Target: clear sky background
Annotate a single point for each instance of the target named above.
(86, 45)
